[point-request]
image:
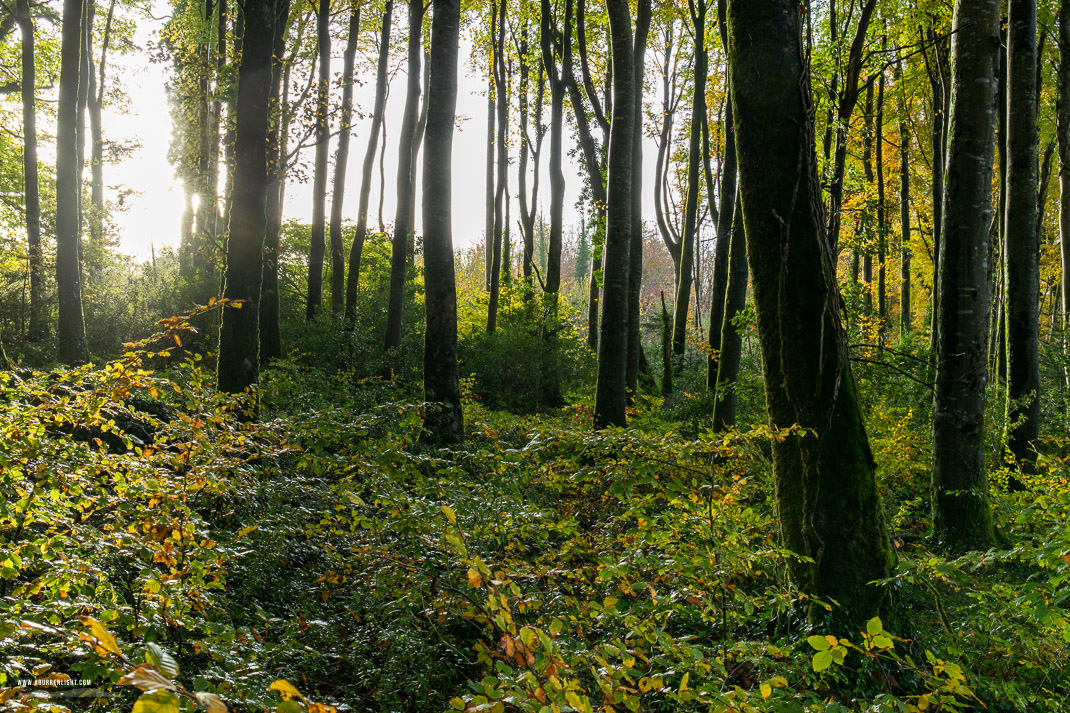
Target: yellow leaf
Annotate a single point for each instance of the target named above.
(156, 702)
(450, 514)
(766, 690)
(475, 578)
(287, 690)
(102, 635)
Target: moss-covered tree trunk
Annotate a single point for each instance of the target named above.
(962, 517)
(239, 357)
(731, 340)
(1022, 254)
(826, 494)
(441, 383)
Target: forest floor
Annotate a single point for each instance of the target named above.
(323, 557)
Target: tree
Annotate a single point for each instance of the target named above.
(635, 252)
(1063, 134)
(403, 218)
(611, 395)
(38, 319)
(501, 95)
(441, 382)
(319, 180)
(1022, 247)
(827, 499)
(338, 258)
(378, 108)
(71, 326)
(962, 518)
(239, 357)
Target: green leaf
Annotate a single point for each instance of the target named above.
(555, 627)
(450, 514)
(161, 660)
(874, 626)
(822, 660)
(818, 642)
(156, 702)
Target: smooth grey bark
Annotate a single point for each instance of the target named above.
(635, 252)
(96, 133)
(70, 330)
(1063, 135)
(488, 215)
(360, 234)
(323, 145)
(441, 381)
(611, 395)
(962, 517)
(551, 50)
(1022, 251)
(341, 161)
(403, 218)
(826, 493)
(239, 356)
(501, 94)
(906, 316)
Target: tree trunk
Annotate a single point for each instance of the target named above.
(361, 232)
(962, 518)
(826, 493)
(441, 384)
(547, 37)
(611, 396)
(731, 343)
(501, 94)
(1063, 133)
(403, 218)
(726, 227)
(38, 327)
(939, 71)
(323, 144)
(488, 216)
(96, 151)
(338, 258)
(635, 252)
(278, 137)
(882, 223)
(239, 359)
(1022, 259)
(694, 178)
(905, 314)
(71, 326)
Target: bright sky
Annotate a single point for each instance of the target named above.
(154, 211)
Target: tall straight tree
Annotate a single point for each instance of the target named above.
(38, 325)
(71, 326)
(341, 160)
(501, 94)
(635, 252)
(441, 381)
(1022, 249)
(962, 517)
(403, 217)
(611, 396)
(552, 49)
(905, 314)
(1063, 135)
(826, 493)
(361, 231)
(323, 144)
(239, 357)
(730, 346)
(686, 263)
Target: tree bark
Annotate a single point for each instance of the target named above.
(611, 396)
(882, 223)
(826, 494)
(550, 51)
(905, 313)
(441, 383)
(323, 144)
(338, 258)
(378, 108)
(239, 358)
(96, 151)
(731, 339)
(1063, 135)
(635, 252)
(1022, 254)
(726, 226)
(38, 323)
(962, 518)
(71, 325)
(501, 94)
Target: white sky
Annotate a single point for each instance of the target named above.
(154, 211)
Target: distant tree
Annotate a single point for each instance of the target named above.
(827, 500)
(323, 141)
(341, 160)
(38, 327)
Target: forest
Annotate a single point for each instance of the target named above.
(751, 392)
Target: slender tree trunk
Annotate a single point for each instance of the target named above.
(71, 325)
(1063, 135)
(557, 120)
(378, 109)
(962, 518)
(341, 160)
(694, 178)
(501, 93)
(905, 313)
(403, 218)
(323, 145)
(882, 223)
(441, 384)
(417, 142)
(726, 227)
(278, 137)
(96, 152)
(611, 396)
(1022, 257)
(635, 252)
(38, 328)
(939, 79)
(826, 493)
(731, 343)
(239, 358)
(488, 217)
